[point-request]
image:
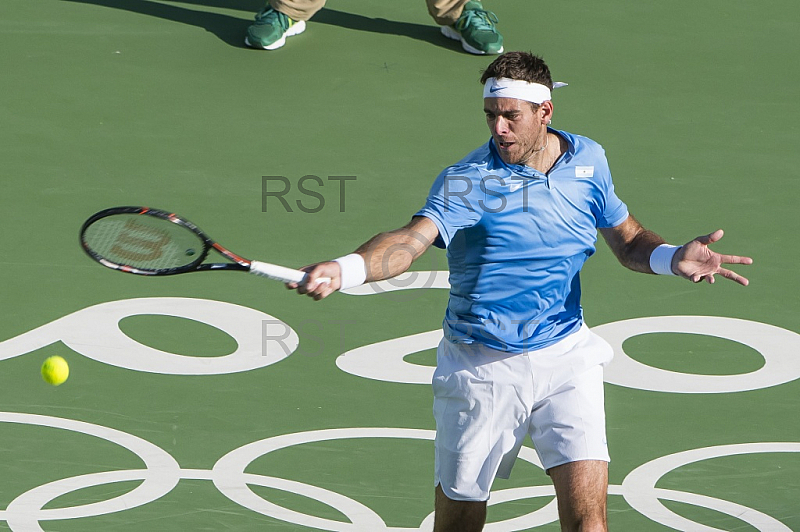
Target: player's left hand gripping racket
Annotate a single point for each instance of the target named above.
(148, 241)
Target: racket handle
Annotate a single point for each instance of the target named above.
(280, 273)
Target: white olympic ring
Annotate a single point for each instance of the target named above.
(778, 346)
(162, 474)
(641, 493)
(384, 361)
(230, 467)
(94, 332)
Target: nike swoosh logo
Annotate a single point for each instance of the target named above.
(495, 89)
(514, 187)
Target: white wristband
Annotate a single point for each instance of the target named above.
(354, 270)
(661, 259)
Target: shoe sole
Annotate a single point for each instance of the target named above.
(450, 33)
(296, 29)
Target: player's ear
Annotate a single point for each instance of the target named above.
(546, 110)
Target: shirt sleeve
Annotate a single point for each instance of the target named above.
(614, 210)
(454, 203)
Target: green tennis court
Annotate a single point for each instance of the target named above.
(219, 401)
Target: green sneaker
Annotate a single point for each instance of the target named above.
(475, 28)
(271, 29)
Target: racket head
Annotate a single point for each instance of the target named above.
(144, 241)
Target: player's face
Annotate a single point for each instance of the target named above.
(518, 130)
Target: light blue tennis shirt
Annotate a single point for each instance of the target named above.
(516, 240)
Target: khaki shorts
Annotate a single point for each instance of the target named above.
(487, 401)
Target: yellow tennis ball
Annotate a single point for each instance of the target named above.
(55, 370)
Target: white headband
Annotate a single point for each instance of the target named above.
(518, 89)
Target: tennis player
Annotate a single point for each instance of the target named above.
(519, 217)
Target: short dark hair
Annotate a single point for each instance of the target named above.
(523, 66)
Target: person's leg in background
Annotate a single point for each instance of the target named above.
(280, 19)
(467, 21)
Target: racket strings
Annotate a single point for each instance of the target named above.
(144, 243)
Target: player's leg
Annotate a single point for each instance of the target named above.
(568, 427)
(482, 400)
(458, 516)
(582, 489)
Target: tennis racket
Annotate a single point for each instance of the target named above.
(146, 241)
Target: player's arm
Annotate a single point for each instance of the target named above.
(632, 244)
(389, 254)
(642, 250)
(383, 256)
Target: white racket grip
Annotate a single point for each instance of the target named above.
(280, 273)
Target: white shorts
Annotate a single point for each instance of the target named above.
(486, 401)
